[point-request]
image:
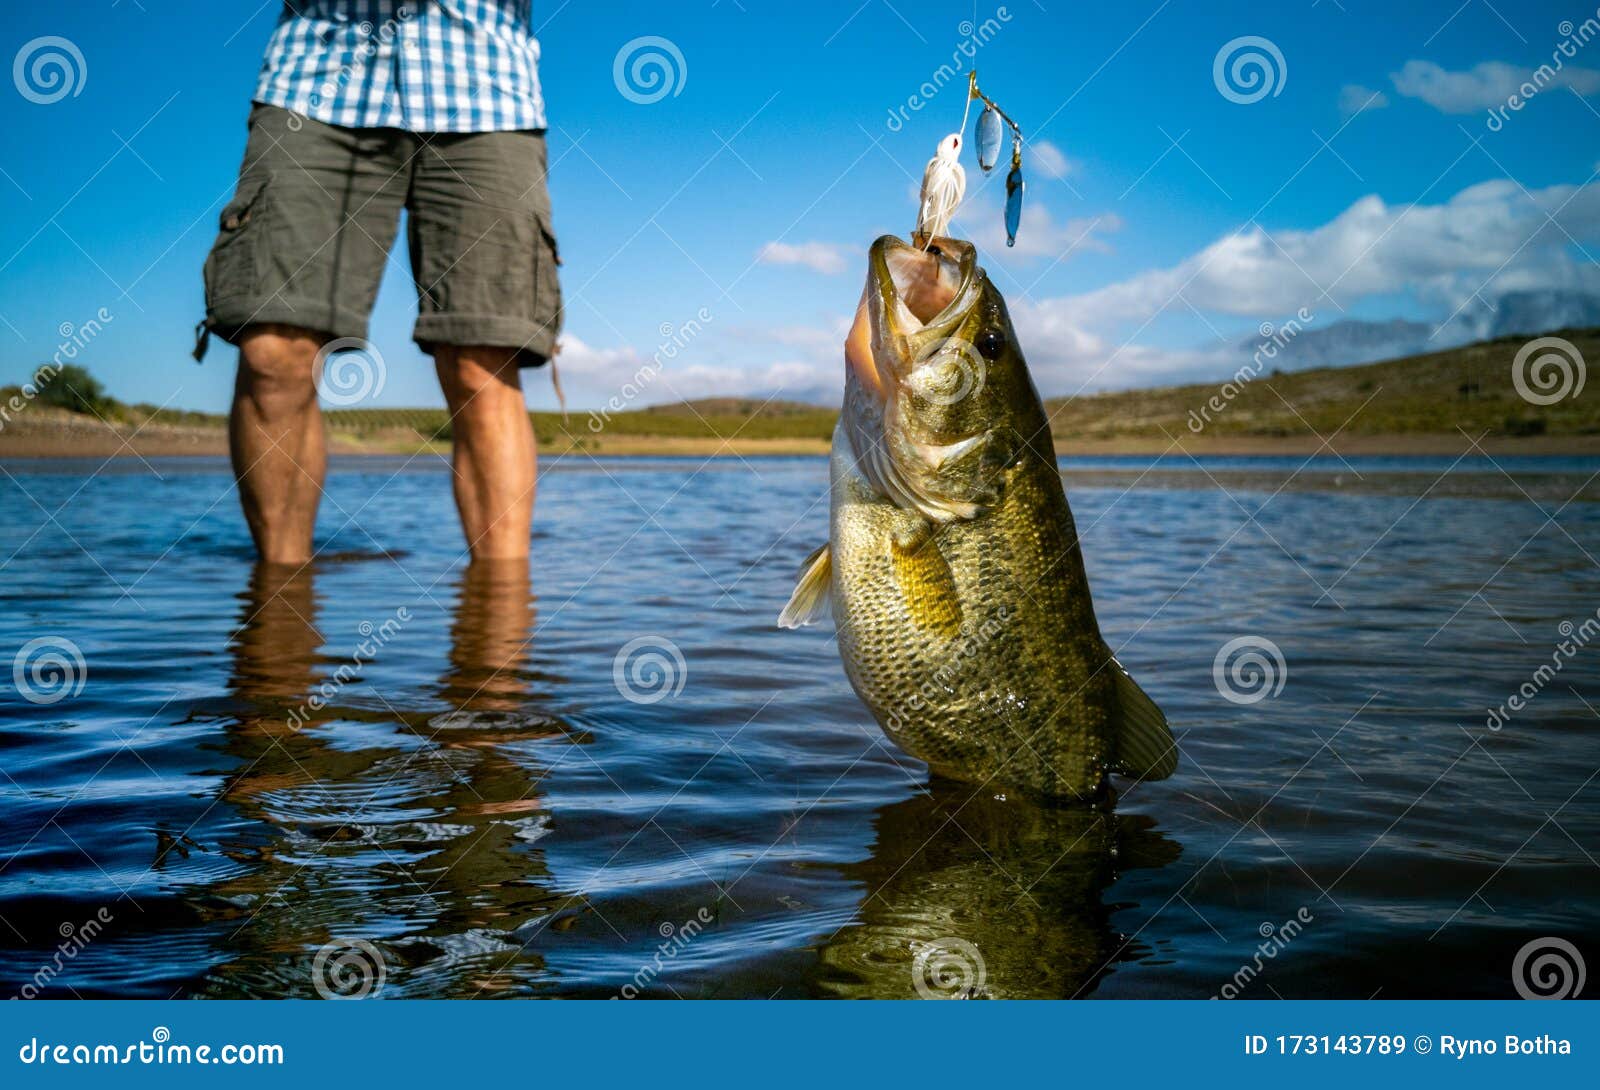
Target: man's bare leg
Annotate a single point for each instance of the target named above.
(495, 457)
(275, 435)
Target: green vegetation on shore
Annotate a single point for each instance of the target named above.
(1468, 389)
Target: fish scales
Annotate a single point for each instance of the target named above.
(953, 568)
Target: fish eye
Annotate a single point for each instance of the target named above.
(991, 342)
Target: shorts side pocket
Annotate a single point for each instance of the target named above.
(547, 306)
(233, 267)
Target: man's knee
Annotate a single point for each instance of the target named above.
(468, 372)
(277, 364)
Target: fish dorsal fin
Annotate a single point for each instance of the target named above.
(810, 598)
(1145, 747)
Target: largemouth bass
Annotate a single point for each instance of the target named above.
(952, 566)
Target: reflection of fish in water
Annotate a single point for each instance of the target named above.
(968, 896)
(957, 585)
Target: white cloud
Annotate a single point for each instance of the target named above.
(1355, 99)
(1486, 85)
(822, 257)
(799, 364)
(1486, 240)
(1050, 160)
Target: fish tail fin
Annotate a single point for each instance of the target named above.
(810, 598)
(1145, 747)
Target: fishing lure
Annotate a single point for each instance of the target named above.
(988, 138)
(944, 183)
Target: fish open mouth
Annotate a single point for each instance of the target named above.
(910, 292)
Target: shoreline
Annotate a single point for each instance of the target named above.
(105, 442)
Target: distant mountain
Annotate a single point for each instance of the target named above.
(1516, 313)
(1348, 342)
(1533, 312)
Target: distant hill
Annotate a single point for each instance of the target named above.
(1419, 403)
(1444, 393)
(737, 406)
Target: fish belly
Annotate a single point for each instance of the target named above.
(976, 647)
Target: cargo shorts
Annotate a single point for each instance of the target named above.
(306, 236)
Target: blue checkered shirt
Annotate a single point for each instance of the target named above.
(422, 65)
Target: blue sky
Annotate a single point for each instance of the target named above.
(1165, 221)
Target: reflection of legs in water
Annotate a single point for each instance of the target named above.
(275, 649)
(490, 637)
(424, 845)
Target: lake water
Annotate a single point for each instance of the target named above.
(388, 773)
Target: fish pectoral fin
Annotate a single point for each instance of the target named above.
(810, 598)
(926, 583)
(1145, 747)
